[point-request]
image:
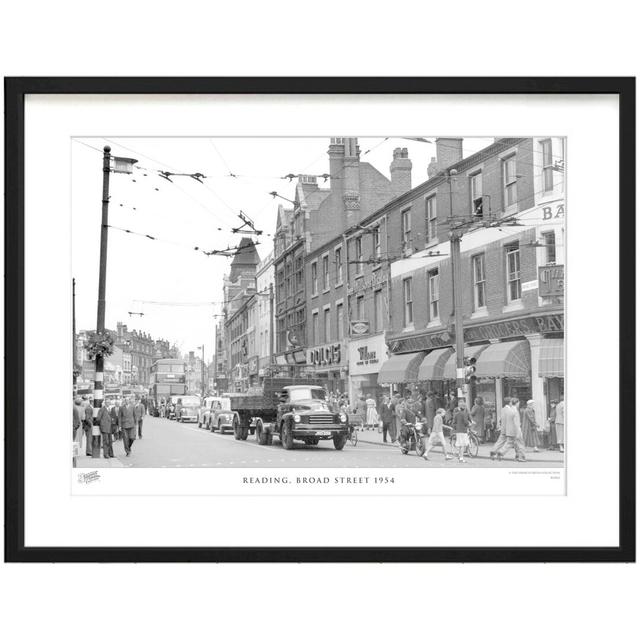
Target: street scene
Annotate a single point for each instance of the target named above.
(394, 302)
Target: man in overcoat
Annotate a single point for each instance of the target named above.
(139, 413)
(106, 429)
(513, 432)
(127, 422)
(87, 423)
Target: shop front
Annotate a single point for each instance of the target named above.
(367, 355)
(328, 364)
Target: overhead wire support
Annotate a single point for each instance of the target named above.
(246, 222)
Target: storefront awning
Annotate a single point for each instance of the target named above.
(401, 368)
(432, 367)
(474, 351)
(505, 360)
(551, 363)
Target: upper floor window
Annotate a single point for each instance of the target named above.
(327, 325)
(358, 256)
(431, 218)
(434, 294)
(479, 282)
(407, 297)
(340, 321)
(314, 329)
(338, 258)
(549, 241)
(360, 308)
(547, 165)
(475, 188)
(509, 180)
(406, 231)
(314, 278)
(378, 318)
(325, 272)
(514, 290)
(377, 247)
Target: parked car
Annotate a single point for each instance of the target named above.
(216, 414)
(186, 408)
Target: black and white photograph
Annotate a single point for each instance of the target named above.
(345, 302)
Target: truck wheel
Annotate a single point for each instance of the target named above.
(286, 437)
(261, 435)
(244, 432)
(236, 430)
(339, 441)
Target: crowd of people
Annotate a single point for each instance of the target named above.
(116, 419)
(517, 428)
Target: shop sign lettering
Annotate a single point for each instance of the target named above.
(549, 213)
(324, 356)
(366, 357)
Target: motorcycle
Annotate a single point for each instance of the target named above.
(414, 440)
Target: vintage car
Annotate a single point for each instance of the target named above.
(216, 414)
(186, 408)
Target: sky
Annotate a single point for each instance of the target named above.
(184, 214)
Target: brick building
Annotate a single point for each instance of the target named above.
(509, 198)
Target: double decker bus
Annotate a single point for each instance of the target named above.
(168, 377)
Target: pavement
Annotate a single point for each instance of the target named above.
(168, 444)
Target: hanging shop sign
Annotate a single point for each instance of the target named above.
(551, 281)
(325, 356)
(253, 365)
(547, 324)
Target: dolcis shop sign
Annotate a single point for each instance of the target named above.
(324, 356)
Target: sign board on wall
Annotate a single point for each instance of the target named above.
(367, 355)
(551, 281)
(359, 327)
(325, 356)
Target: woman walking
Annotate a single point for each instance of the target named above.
(530, 427)
(477, 415)
(371, 419)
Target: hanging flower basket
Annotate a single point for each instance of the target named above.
(99, 344)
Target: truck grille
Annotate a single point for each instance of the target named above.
(321, 419)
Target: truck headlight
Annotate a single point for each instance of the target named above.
(296, 417)
(343, 418)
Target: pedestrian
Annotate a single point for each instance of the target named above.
(551, 421)
(501, 428)
(437, 435)
(406, 417)
(388, 420)
(371, 417)
(77, 417)
(106, 428)
(560, 424)
(513, 432)
(361, 408)
(139, 413)
(430, 410)
(126, 419)
(87, 423)
(115, 427)
(460, 423)
(530, 427)
(144, 404)
(477, 415)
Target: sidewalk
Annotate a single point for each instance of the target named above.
(87, 462)
(372, 436)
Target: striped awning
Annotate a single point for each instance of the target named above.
(551, 362)
(505, 360)
(401, 368)
(432, 367)
(469, 352)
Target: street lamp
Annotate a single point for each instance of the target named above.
(201, 348)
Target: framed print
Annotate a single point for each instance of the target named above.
(320, 319)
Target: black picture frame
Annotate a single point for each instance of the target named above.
(15, 91)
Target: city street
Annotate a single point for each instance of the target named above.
(166, 443)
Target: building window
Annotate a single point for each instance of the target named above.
(549, 241)
(407, 301)
(547, 165)
(378, 319)
(475, 188)
(477, 266)
(358, 256)
(338, 257)
(433, 278)
(360, 308)
(377, 247)
(314, 278)
(514, 291)
(340, 321)
(509, 181)
(327, 325)
(314, 329)
(406, 232)
(325, 273)
(431, 218)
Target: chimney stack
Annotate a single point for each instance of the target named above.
(449, 151)
(400, 171)
(432, 169)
